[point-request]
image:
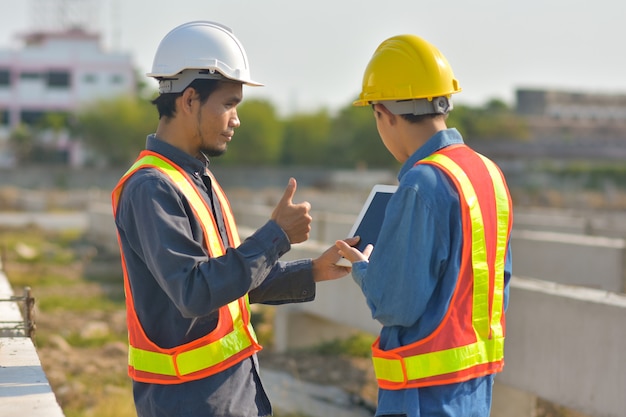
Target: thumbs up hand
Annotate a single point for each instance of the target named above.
(294, 219)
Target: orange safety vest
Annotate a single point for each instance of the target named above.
(231, 341)
(469, 341)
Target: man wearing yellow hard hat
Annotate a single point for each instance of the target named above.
(437, 278)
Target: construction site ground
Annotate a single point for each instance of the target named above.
(81, 329)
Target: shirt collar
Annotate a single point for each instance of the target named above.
(439, 140)
(180, 158)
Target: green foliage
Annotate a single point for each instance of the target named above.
(590, 176)
(306, 139)
(279, 413)
(75, 339)
(115, 403)
(494, 121)
(78, 304)
(56, 121)
(22, 141)
(357, 345)
(259, 139)
(116, 129)
(355, 141)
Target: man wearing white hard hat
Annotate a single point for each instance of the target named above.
(188, 279)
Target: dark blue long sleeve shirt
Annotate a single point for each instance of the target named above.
(177, 289)
(410, 278)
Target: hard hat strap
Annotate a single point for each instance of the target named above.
(438, 105)
(182, 80)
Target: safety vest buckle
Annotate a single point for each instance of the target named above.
(405, 375)
(175, 364)
(391, 367)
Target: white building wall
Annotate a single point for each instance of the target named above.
(93, 73)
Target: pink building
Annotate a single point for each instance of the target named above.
(59, 72)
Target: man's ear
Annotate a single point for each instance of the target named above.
(384, 112)
(186, 99)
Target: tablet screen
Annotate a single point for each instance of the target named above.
(368, 224)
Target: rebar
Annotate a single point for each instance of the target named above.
(25, 327)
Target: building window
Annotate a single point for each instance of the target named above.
(31, 117)
(90, 78)
(117, 79)
(4, 118)
(30, 76)
(5, 77)
(58, 79)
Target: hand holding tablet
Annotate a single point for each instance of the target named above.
(370, 219)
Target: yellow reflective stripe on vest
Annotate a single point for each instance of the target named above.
(228, 214)
(214, 244)
(480, 308)
(235, 313)
(191, 361)
(503, 210)
(440, 362)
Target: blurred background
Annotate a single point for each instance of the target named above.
(544, 96)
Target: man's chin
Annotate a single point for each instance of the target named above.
(214, 153)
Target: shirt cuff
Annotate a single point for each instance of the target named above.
(359, 270)
(272, 239)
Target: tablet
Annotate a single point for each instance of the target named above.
(370, 219)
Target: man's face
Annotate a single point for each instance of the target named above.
(217, 119)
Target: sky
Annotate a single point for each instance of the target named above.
(311, 54)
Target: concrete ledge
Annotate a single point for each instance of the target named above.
(24, 388)
(566, 344)
(588, 261)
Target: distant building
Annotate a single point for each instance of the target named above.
(59, 72)
(575, 117)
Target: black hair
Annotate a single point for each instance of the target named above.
(166, 103)
(418, 118)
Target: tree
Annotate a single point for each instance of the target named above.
(355, 141)
(306, 139)
(22, 141)
(494, 121)
(116, 129)
(258, 140)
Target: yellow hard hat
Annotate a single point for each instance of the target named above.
(406, 67)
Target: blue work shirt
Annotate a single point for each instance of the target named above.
(411, 276)
(177, 289)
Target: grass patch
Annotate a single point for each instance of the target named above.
(87, 375)
(29, 278)
(76, 340)
(78, 304)
(358, 345)
(107, 401)
(278, 413)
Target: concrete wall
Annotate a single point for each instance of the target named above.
(568, 345)
(565, 344)
(588, 261)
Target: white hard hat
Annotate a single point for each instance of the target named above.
(199, 49)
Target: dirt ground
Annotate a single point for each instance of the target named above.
(81, 333)
(352, 374)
